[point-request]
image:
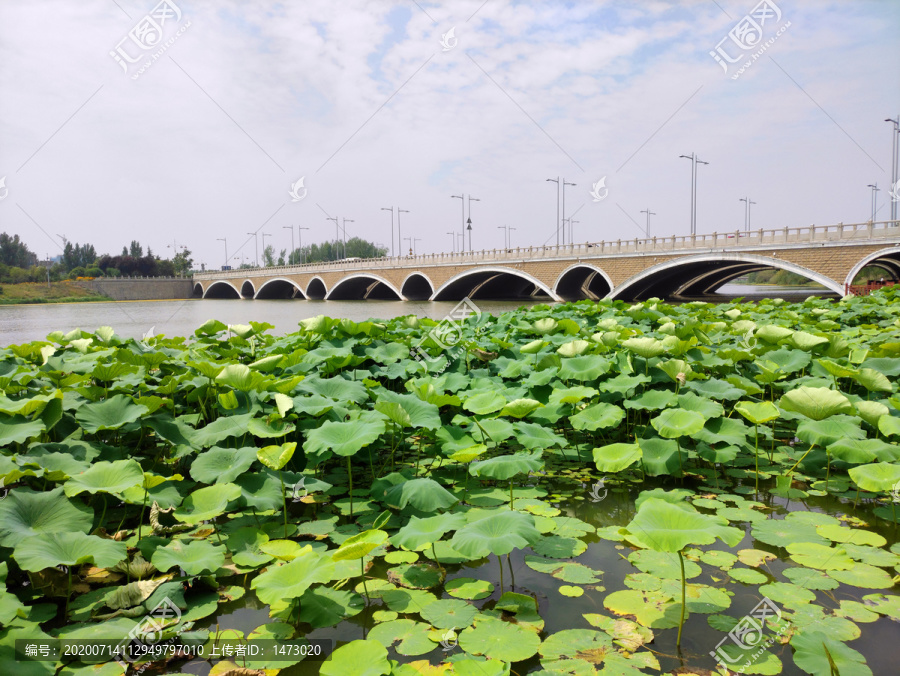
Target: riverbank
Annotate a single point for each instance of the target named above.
(28, 293)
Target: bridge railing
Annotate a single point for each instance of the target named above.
(702, 241)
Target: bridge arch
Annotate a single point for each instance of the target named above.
(496, 283)
(248, 290)
(417, 286)
(316, 289)
(281, 288)
(581, 281)
(364, 286)
(887, 259)
(197, 291)
(222, 289)
(704, 273)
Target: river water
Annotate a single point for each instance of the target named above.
(133, 319)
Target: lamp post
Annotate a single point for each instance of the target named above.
(564, 184)
(300, 235)
(505, 234)
(291, 228)
(875, 190)
(471, 199)
(400, 211)
(895, 174)
(572, 223)
(462, 198)
(461, 245)
(223, 239)
(391, 209)
(748, 202)
(452, 240)
(695, 160)
(256, 244)
(556, 180)
(344, 228)
(469, 228)
(649, 214)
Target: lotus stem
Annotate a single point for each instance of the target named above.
(68, 590)
(283, 501)
(756, 456)
(350, 478)
(141, 519)
(103, 513)
(362, 570)
(500, 561)
(436, 560)
(801, 459)
(681, 620)
(510, 494)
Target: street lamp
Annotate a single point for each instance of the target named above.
(400, 211)
(344, 222)
(452, 240)
(695, 160)
(471, 199)
(469, 228)
(556, 180)
(291, 228)
(564, 184)
(391, 209)
(649, 214)
(256, 244)
(223, 239)
(462, 199)
(895, 174)
(748, 202)
(300, 235)
(875, 190)
(572, 223)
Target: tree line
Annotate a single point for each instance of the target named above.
(19, 264)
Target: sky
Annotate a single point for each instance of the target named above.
(184, 123)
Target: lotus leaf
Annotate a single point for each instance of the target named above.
(50, 549)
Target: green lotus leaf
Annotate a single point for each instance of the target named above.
(663, 565)
(644, 347)
(652, 400)
(758, 413)
(660, 456)
(497, 534)
(469, 588)
(359, 545)
(673, 423)
(809, 578)
(326, 607)
(499, 640)
(812, 650)
(420, 533)
(426, 495)
(865, 576)
(781, 532)
(585, 368)
(772, 333)
(571, 395)
(361, 658)
(342, 438)
(557, 547)
(855, 536)
(859, 451)
(50, 549)
(666, 527)
(195, 558)
(468, 454)
(292, 579)
(485, 403)
(18, 429)
(422, 414)
(567, 571)
(504, 467)
(106, 477)
(813, 555)
(871, 411)
(415, 575)
(598, 416)
(519, 408)
(652, 609)
(412, 636)
(450, 614)
(220, 429)
(816, 403)
(877, 477)
(277, 456)
(533, 436)
(825, 432)
(616, 457)
(569, 645)
(889, 426)
(244, 545)
(207, 503)
(222, 465)
(25, 513)
(873, 380)
(240, 377)
(110, 414)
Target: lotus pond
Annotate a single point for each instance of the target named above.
(587, 488)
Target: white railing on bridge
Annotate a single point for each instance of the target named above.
(811, 234)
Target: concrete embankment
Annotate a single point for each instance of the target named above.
(141, 288)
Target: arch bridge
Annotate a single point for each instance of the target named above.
(675, 267)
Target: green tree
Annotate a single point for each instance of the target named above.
(269, 256)
(135, 251)
(14, 252)
(183, 261)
